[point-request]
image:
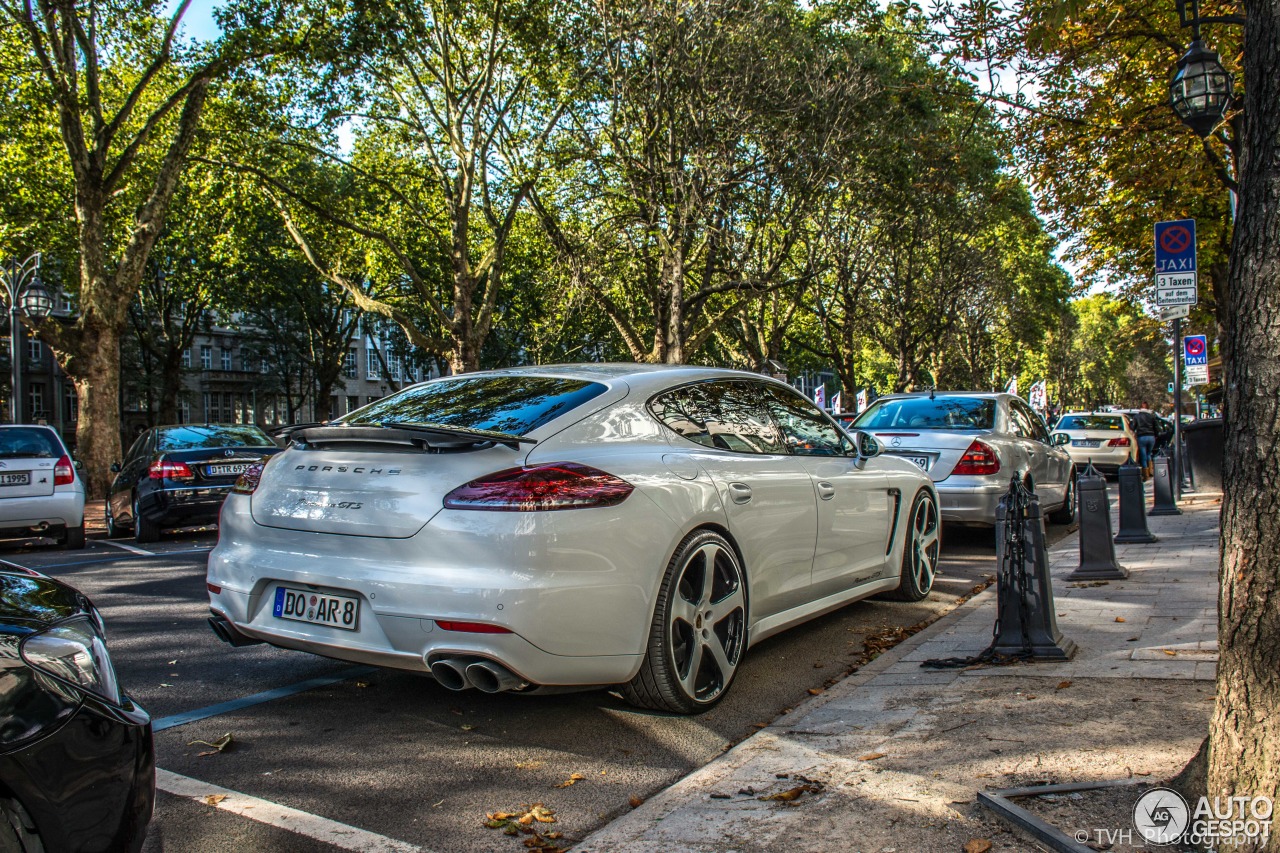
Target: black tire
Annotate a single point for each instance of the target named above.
(143, 530)
(920, 548)
(72, 539)
(17, 830)
(114, 531)
(702, 607)
(1066, 513)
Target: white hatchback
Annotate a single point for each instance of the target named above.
(40, 491)
(627, 525)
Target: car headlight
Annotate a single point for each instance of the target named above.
(74, 653)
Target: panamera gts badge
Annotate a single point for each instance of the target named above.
(307, 502)
(346, 469)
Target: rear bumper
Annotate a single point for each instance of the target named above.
(183, 506)
(1108, 459)
(970, 503)
(90, 785)
(58, 511)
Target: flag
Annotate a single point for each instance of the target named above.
(861, 400)
(836, 403)
(820, 396)
(1038, 396)
(1012, 387)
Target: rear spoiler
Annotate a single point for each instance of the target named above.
(423, 437)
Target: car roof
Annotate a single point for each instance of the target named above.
(643, 377)
(31, 600)
(981, 395)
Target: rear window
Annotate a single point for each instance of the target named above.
(1111, 422)
(511, 404)
(29, 443)
(959, 413)
(195, 437)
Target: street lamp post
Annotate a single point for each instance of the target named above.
(1200, 92)
(26, 296)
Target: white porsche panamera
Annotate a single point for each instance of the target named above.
(586, 525)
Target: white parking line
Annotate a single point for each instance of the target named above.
(273, 814)
(130, 548)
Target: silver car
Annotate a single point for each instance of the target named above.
(630, 525)
(971, 444)
(41, 493)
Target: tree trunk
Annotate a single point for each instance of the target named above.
(1244, 735)
(98, 388)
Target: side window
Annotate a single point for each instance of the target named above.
(806, 431)
(138, 444)
(723, 415)
(1022, 420)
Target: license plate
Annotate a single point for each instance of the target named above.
(16, 478)
(921, 462)
(226, 470)
(317, 608)
(1086, 442)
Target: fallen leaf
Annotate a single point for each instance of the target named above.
(214, 748)
(1170, 652)
(871, 756)
(793, 794)
(362, 684)
(816, 691)
(977, 845)
(172, 662)
(214, 799)
(466, 727)
(1063, 685)
(528, 765)
(1120, 619)
(165, 685)
(573, 777)
(636, 802)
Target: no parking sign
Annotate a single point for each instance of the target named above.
(1175, 243)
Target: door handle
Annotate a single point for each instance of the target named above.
(826, 491)
(739, 493)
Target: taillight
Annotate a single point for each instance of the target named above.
(64, 473)
(248, 479)
(472, 627)
(561, 485)
(1123, 441)
(978, 459)
(163, 469)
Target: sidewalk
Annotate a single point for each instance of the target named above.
(892, 758)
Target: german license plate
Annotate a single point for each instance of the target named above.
(921, 462)
(226, 470)
(317, 608)
(15, 478)
(1086, 442)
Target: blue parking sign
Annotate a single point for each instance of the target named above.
(1176, 246)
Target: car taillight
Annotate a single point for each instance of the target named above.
(248, 479)
(162, 469)
(978, 459)
(1123, 441)
(64, 473)
(561, 485)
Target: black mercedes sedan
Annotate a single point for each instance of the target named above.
(178, 476)
(77, 764)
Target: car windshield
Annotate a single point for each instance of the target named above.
(194, 437)
(511, 404)
(1107, 422)
(959, 413)
(29, 443)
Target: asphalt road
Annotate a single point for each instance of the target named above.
(394, 755)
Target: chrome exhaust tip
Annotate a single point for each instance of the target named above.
(489, 677)
(227, 633)
(451, 673)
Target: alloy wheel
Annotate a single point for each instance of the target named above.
(706, 622)
(925, 544)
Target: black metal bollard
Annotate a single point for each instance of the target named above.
(1163, 480)
(1027, 625)
(1097, 550)
(1133, 507)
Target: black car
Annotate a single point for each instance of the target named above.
(178, 476)
(77, 764)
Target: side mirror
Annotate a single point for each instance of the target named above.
(79, 465)
(868, 447)
(115, 467)
(1058, 439)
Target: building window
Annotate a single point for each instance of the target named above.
(211, 407)
(186, 357)
(206, 357)
(349, 365)
(35, 401)
(226, 358)
(353, 403)
(184, 412)
(266, 368)
(34, 351)
(70, 404)
(371, 363)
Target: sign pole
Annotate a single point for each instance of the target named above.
(1177, 409)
